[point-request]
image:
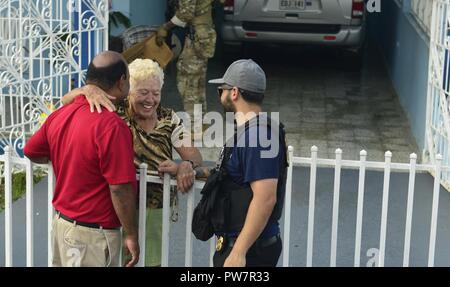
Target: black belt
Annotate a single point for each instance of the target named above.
(84, 224)
(261, 242)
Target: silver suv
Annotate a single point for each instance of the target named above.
(325, 22)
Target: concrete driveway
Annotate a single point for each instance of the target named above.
(324, 98)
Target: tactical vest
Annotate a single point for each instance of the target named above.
(237, 197)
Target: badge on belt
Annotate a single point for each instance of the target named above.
(219, 243)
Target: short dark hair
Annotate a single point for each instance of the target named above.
(252, 97)
(106, 77)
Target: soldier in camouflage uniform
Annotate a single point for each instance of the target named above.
(199, 46)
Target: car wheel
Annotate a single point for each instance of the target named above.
(358, 58)
(247, 49)
(230, 51)
(352, 59)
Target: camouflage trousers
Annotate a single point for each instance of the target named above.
(192, 65)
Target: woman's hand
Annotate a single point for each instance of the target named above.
(184, 173)
(185, 176)
(98, 98)
(168, 166)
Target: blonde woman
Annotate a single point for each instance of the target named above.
(156, 130)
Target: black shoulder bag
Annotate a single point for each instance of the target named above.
(209, 214)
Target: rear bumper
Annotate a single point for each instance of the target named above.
(335, 35)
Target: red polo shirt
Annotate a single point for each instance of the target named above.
(89, 152)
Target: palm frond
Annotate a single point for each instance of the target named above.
(117, 18)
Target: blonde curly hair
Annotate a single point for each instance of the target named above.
(143, 69)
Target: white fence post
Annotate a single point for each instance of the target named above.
(337, 187)
(30, 213)
(8, 207)
(434, 210)
(384, 209)
(287, 208)
(166, 221)
(50, 212)
(359, 216)
(189, 236)
(409, 209)
(312, 200)
(142, 211)
(121, 244)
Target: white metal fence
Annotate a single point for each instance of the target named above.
(313, 163)
(45, 47)
(338, 164)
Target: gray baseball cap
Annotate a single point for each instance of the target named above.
(244, 74)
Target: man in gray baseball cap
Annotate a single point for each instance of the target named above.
(247, 83)
(247, 228)
(245, 74)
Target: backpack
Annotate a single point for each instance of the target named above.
(209, 214)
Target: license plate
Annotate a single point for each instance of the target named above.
(292, 4)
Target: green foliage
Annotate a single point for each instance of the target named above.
(19, 185)
(117, 18)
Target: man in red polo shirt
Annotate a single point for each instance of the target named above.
(92, 156)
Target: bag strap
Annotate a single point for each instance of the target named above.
(231, 143)
(239, 131)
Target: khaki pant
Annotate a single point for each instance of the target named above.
(79, 246)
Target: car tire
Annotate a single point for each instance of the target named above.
(246, 50)
(230, 51)
(358, 59)
(352, 59)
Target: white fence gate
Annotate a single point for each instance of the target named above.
(312, 163)
(45, 47)
(438, 113)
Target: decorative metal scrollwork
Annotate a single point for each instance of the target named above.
(42, 46)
